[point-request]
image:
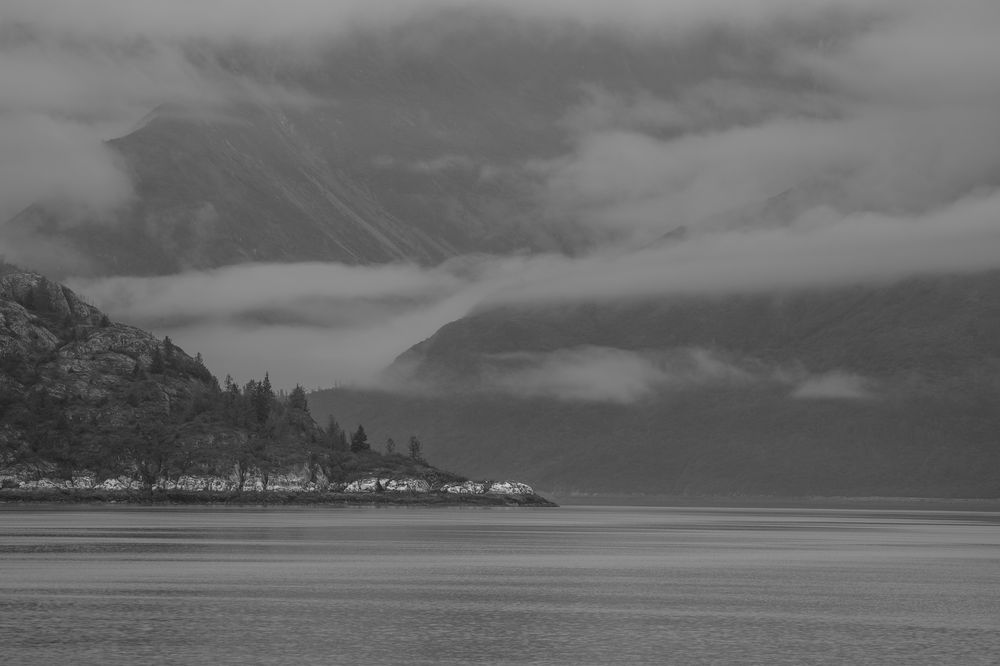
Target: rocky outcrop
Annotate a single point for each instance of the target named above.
(294, 483)
(39, 294)
(374, 484)
(488, 488)
(288, 482)
(510, 488)
(466, 488)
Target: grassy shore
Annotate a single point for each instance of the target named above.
(96, 496)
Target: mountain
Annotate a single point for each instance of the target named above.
(863, 390)
(469, 130)
(84, 400)
(418, 142)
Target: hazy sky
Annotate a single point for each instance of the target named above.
(881, 116)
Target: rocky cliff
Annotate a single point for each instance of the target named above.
(76, 388)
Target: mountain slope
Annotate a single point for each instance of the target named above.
(415, 143)
(218, 192)
(889, 390)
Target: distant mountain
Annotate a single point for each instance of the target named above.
(248, 187)
(865, 390)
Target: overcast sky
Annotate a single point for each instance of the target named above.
(896, 131)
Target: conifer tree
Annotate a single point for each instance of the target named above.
(359, 440)
(261, 397)
(297, 399)
(415, 448)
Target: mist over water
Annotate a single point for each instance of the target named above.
(576, 585)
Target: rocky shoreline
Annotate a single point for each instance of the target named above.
(70, 496)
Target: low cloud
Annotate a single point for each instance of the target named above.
(897, 114)
(884, 161)
(714, 104)
(270, 20)
(315, 324)
(60, 160)
(865, 248)
(624, 376)
(834, 386)
(79, 76)
(883, 115)
(895, 99)
(603, 374)
(328, 323)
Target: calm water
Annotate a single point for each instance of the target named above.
(575, 585)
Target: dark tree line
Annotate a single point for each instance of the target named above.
(157, 423)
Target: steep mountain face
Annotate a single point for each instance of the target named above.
(245, 188)
(888, 390)
(414, 143)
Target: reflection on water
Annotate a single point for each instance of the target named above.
(575, 585)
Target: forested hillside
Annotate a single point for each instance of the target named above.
(83, 396)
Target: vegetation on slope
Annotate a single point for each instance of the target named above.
(79, 392)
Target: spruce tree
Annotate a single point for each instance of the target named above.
(297, 399)
(359, 440)
(415, 448)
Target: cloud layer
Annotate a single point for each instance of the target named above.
(326, 323)
(813, 143)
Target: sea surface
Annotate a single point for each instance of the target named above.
(572, 585)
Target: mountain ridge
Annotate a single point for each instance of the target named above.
(862, 391)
